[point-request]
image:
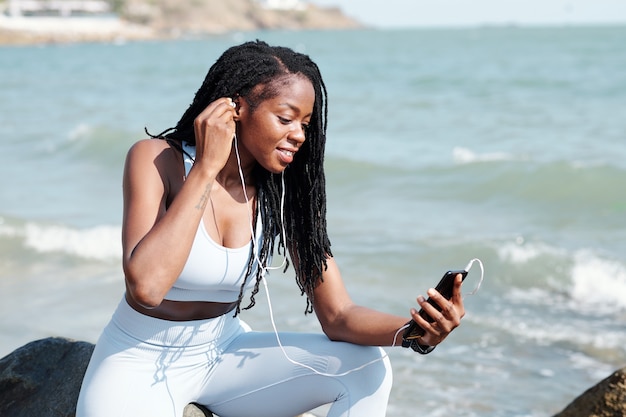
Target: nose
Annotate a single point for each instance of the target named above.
(298, 134)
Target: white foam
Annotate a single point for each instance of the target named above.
(100, 242)
(466, 156)
(531, 296)
(519, 252)
(598, 282)
(597, 369)
(595, 283)
(7, 230)
(81, 131)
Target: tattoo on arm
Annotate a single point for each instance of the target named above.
(204, 198)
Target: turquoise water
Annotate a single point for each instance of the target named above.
(507, 144)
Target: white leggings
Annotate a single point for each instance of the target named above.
(143, 366)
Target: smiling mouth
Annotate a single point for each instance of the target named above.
(287, 153)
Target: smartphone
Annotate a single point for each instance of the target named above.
(444, 287)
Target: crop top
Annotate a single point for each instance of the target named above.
(212, 272)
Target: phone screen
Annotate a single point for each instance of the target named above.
(444, 287)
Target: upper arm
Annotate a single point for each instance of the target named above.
(144, 190)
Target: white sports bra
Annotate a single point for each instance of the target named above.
(212, 272)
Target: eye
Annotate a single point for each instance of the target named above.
(284, 120)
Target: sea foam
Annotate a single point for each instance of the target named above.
(99, 242)
(466, 156)
(597, 282)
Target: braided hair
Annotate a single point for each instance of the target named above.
(236, 73)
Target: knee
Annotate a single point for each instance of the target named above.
(382, 368)
(372, 367)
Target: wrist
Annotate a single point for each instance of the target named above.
(414, 343)
(418, 347)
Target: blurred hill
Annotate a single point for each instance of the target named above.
(216, 16)
(152, 19)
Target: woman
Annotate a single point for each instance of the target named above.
(203, 207)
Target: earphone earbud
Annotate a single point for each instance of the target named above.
(235, 104)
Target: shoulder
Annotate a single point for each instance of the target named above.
(149, 148)
(156, 152)
(154, 158)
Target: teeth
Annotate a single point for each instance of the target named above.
(289, 153)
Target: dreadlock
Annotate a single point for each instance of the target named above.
(236, 73)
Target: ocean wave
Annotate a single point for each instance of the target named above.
(494, 175)
(462, 155)
(588, 280)
(546, 317)
(587, 190)
(520, 252)
(104, 145)
(80, 132)
(598, 283)
(96, 243)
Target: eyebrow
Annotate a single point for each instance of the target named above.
(294, 108)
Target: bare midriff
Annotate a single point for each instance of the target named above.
(184, 310)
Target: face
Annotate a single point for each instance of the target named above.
(272, 133)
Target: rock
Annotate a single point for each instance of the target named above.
(605, 399)
(43, 378)
(196, 410)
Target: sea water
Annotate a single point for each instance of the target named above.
(506, 144)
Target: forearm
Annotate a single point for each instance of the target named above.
(364, 326)
(343, 320)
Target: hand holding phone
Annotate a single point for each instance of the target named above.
(444, 287)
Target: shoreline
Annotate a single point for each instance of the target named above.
(158, 24)
(49, 30)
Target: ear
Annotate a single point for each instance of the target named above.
(237, 102)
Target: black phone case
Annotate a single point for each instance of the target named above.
(444, 287)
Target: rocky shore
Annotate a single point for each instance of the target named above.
(43, 379)
(168, 19)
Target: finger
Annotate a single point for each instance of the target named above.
(456, 288)
(227, 110)
(218, 108)
(457, 296)
(426, 326)
(431, 335)
(229, 103)
(217, 114)
(445, 306)
(435, 315)
(445, 318)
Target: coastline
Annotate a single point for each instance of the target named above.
(49, 30)
(140, 21)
